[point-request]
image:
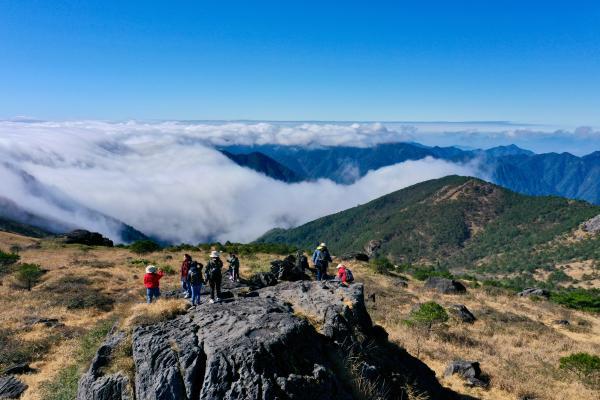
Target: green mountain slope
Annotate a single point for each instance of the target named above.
(11, 226)
(455, 221)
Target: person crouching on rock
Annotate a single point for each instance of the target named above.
(195, 281)
(321, 259)
(183, 273)
(344, 275)
(152, 283)
(213, 275)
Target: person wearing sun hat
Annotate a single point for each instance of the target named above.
(214, 276)
(321, 259)
(152, 283)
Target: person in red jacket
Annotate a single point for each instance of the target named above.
(183, 274)
(152, 283)
(342, 275)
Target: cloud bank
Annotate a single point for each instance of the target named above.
(166, 180)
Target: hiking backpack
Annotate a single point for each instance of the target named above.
(349, 276)
(195, 276)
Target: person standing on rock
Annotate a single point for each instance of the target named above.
(152, 283)
(214, 276)
(301, 262)
(183, 273)
(234, 267)
(195, 281)
(321, 259)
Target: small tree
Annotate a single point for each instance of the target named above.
(29, 274)
(144, 246)
(427, 315)
(7, 259)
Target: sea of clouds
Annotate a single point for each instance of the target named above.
(167, 180)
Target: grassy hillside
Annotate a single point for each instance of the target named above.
(8, 225)
(458, 222)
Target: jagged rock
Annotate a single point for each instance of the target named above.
(561, 322)
(263, 279)
(372, 246)
(286, 270)
(81, 236)
(592, 225)
(534, 292)
(462, 313)
(354, 256)
(470, 371)
(19, 369)
(11, 387)
(444, 285)
(95, 385)
(49, 322)
(288, 343)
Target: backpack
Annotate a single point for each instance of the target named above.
(349, 276)
(195, 276)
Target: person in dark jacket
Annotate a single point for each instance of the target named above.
(152, 283)
(301, 262)
(214, 276)
(183, 273)
(234, 267)
(321, 259)
(195, 281)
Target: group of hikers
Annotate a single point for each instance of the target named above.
(192, 279)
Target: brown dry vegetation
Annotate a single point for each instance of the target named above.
(514, 338)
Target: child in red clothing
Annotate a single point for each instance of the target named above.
(342, 275)
(152, 283)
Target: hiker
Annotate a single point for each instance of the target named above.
(321, 259)
(152, 283)
(195, 281)
(213, 275)
(234, 267)
(183, 273)
(301, 262)
(344, 275)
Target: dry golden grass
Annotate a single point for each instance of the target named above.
(514, 338)
(148, 314)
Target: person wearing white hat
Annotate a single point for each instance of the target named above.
(152, 283)
(321, 259)
(214, 276)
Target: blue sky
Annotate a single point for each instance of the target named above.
(527, 61)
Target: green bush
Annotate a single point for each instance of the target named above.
(425, 273)
(578, 299)
(381, 265)
(7, 259)
(167, 269)
(29, 274)
(144, 247)
(584, 365)
(427, 315)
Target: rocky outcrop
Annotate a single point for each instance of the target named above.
(470, 371)
(354, 256)
(592, 225)
(444, 285)
(11, 387)
(286, 269)
(95, 385)
(81, 236)
(372, 246)
(295, 340)
(534, 292)
(461, 313)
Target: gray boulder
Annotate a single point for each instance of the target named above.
(372, 246)
(354, 256)
(444, 285)
(470, 371)
(286, 269)
(95, 385)
(19, 369)
(11, 387)
(291, 341)
(262, 279)
(534, 292)
(462, 313)
(592, 225)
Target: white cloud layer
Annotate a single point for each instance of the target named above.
(166, 180)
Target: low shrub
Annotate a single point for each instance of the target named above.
(425, 273)
(29, 274)
(167, 269)
(144, 246)
(6, 260)
(76, 292)
(381, 265)
(584, 365)
(427, 315)
(578, 299)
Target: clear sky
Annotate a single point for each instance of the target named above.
(528, 61)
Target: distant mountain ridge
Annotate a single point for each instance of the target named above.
(263, 164)
(455, 221)
(518, 169)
